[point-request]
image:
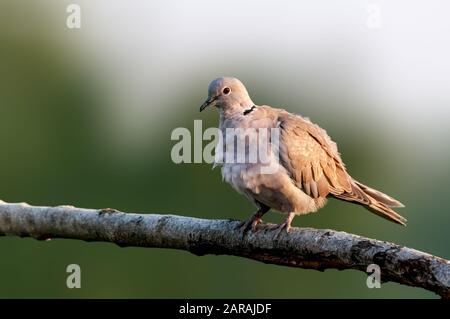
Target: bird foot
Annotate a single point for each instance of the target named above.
(282, 227)
(250, 223)
(285, 226)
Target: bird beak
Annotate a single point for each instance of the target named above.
(207, 103)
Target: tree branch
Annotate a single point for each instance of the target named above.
(303, 247)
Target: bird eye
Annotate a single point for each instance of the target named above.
(226, 90)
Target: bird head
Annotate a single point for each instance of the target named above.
(226, 93)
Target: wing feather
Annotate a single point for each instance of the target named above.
(311, 158)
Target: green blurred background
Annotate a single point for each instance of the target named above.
(86, 116)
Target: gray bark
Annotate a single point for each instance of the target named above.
(318, 249)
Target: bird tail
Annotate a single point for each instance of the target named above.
(375, 201)
(380, 204)
(379, 196)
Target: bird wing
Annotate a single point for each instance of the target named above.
(312, 159)
(315, 166)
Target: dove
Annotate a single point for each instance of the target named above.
(308, 167)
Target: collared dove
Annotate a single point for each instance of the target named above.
(309, 166)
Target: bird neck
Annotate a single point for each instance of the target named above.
(237, 109)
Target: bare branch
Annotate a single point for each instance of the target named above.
(303, 247)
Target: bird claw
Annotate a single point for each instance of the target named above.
(250, 223)
(286, 225)
(253, 221)
(280, 228)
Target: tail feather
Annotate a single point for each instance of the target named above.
(375, 201)
(384, 211)
(379, 196)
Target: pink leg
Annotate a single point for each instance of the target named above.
(286, 225)
(255, 219)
